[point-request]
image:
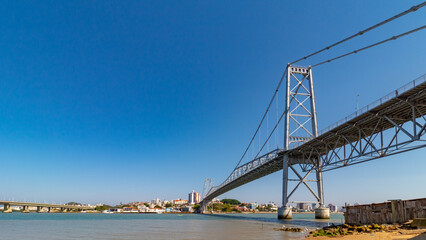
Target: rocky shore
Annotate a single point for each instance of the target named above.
(373, 231)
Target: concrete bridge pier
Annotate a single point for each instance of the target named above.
(321, 212)
(203, 208)
(39, 209)
(285, 212)
(64, 209)
(25, 209)
(7, 208)
(49, 209)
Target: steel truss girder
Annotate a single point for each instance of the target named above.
(408, 132)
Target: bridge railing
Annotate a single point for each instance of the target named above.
(246, 168)
(407, 87)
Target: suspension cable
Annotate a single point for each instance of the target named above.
(263, 118)
(276, 137)
(267, 128)
(273, 130)
(412, 9)
(330, 60)
(372, 45)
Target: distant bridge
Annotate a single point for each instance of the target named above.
(62, 207)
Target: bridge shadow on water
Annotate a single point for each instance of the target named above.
(299, 220)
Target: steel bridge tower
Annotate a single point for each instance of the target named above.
(300, 126)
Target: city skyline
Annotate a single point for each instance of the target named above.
(142, 105)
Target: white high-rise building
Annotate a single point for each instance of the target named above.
(156, 201)
(194, 197)
(333, 208)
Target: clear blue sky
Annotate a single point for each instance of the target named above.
(112, 101)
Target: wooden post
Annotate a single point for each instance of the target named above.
(393, 206)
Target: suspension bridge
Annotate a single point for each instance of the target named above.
(394, 124)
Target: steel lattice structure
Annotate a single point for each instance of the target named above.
(394, 124)
(300, 110)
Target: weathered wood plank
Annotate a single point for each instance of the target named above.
(395, 211)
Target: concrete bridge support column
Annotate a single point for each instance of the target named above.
(203, 208)
(7, 208)
(64, 210)
(39, 209)
(321, 212)
(211, 207)
(26, 209)
(284, 212)
(49, 209)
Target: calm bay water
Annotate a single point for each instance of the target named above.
(48, 226)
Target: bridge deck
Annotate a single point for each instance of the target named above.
(370, 122)
(31, 204)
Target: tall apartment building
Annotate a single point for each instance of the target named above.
(156, 201)
(333, 208)
(302, 206)
(194, 197)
